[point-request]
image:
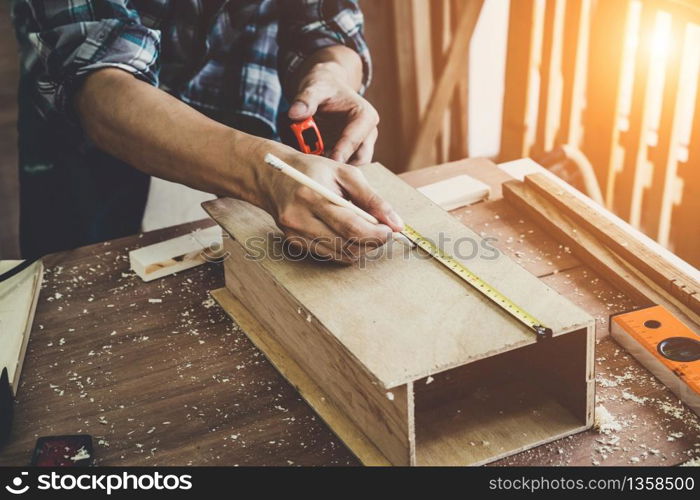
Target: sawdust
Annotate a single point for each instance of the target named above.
(605, 422)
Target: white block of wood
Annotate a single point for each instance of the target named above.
(456, 192)
(422, 364)
(177, 254)
(18, 298)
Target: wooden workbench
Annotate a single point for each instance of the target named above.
(159, 375)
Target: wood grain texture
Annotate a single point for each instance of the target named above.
(599, 257)
(381, 414)
(312, 393)
(402, 294)
(176, 255)
(663, 272)
(169, 383)
(237, 393)
(444, 88)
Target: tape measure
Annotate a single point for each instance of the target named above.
(541, 331)
(309, 139)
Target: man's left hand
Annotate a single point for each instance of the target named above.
(347, 120)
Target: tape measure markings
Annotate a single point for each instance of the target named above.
(541, 331)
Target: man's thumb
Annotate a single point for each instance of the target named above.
(304, 104)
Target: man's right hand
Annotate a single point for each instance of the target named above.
(312, 223)
(164, 137)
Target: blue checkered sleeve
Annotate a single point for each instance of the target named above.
(64, 40)
(310, 25)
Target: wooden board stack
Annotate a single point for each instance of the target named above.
(407, 363)
(629, 260)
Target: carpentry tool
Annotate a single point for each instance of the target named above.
(542, 332)
(308, 136)
(665, 346)
(414, 237)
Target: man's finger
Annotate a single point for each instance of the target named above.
(356, 233)
(361, 193)
(365, 152)
(356, 132)
(301, 246)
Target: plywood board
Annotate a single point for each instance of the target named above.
(404, 316)
(344, 427)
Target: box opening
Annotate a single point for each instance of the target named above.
(500, 405)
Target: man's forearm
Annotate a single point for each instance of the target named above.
(164, 137)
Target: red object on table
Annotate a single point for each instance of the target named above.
(308, 136)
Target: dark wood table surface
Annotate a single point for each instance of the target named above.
(159, 375)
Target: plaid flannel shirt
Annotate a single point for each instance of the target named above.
(229, 59)
(223, 57)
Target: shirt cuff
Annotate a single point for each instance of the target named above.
(114, 44)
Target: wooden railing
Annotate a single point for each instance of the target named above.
(615, 81)
(421, 52)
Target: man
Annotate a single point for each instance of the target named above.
(114, 91)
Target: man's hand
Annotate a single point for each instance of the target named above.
(164, 137)
(312, 223)
(348, 122)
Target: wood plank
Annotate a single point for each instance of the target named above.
(601, 134)
(524, 38)
(599, 257)
(459, 138)
(407, 90)
(522, 168)
(398, 355)
(657, 198)
(628, 183)
(381, 414)
(177, 254)
(345, 428)
(550, 91)
(658, 269)
(577, 26)
(684, 233)
(444, 88)
(380, 36)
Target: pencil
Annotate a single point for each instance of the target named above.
(322, 190)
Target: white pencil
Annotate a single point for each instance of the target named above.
(334, 198)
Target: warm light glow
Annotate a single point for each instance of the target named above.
(661, 38)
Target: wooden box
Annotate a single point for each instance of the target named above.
(407, 363)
